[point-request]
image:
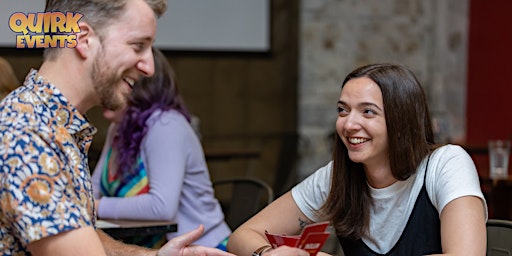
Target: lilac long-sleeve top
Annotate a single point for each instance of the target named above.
(180, 185)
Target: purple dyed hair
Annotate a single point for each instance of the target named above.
(158, 92)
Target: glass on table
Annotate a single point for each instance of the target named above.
(499, 153)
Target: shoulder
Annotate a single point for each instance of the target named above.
(450, 157)
(319, 181)
(450, 160)
(311, 193)
(171, 123)
(448, 151)
(451, 174)
(165, 117)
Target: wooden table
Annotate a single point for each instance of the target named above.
(126, 228)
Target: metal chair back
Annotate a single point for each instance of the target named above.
(499, 237)
(245, 197)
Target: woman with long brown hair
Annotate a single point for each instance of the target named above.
(389, 190)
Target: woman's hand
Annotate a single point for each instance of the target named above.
(285, 250)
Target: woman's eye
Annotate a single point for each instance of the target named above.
(341, 110)
(369, 111)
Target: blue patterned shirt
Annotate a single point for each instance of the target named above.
(44, 177)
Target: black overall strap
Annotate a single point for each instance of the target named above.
(421, 236)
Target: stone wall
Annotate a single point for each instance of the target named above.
(430, 37)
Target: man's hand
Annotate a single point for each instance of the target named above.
(182, 246)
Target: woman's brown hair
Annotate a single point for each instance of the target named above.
(410, 137)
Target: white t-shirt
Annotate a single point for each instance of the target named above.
(451, 174)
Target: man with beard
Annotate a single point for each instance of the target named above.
(46, 198)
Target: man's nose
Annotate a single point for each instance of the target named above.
(146, 65)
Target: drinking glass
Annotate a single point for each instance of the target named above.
(499, 152)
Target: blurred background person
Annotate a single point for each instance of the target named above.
(8, 80)
(152, 166)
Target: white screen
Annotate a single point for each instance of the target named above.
(192, 25)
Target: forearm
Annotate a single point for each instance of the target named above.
(244, 241)
(281, 217)
(116, 248)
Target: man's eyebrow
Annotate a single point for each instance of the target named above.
(148, 39)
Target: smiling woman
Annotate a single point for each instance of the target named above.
(362, 124)
(390, 189)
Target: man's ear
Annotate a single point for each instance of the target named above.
(86, 39)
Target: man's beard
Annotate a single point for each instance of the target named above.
(106, 84)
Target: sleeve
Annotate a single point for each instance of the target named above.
(311, 193)
(98, 169)
(40, 194)
(165, 153)
(452, 174)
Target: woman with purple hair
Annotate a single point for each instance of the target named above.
(152, 166)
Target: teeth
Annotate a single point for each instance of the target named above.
(130, 81)
(357, 140)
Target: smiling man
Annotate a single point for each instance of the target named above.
(46, 193)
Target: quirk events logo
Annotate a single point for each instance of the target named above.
(45, 30)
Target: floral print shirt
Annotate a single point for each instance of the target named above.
(45, 185)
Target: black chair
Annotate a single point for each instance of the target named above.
(241, 198)
(499, 237)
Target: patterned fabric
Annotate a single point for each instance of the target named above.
(223, 245)
(112, 185)
(135, 184)
(44, 177)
